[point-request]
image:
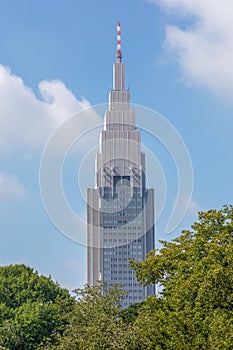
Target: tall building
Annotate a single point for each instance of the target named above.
(120, 209)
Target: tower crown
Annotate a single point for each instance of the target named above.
(119, 97)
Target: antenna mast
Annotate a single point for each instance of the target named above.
(119, 53)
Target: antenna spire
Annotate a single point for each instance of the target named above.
(119, 53)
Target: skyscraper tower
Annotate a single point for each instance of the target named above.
(120, 209)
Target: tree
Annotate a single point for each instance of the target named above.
(32, 308)
(195, 307)
(130, 314)
(95, 323)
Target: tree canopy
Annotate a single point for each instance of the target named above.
(192, 311)
(32, 308)
(195, 307)
(95, 322)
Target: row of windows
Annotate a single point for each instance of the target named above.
(139, 258)
(129, 278)
(118, 234)
(125, 284)
(116, 207)
(135, 251)
(130, 200)
(123, 265)
(134, 297)
(124, 253)
(125, 278)
(123, 246)
(119, 259)
(132, 285)
(117, 227)
(108, 265)
(120, 272)
(126, 228)
(116, 240)
(115, 259)
(114, 204)
(122, 250)
(121, 240)
(111, 216)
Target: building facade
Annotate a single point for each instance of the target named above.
(120, 209)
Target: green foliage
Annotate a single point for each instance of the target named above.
(195, 308)
(95, 323)
(32, 308)
(130, 314)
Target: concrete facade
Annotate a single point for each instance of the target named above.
(120, 209)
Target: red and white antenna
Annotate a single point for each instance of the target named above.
(118, 53)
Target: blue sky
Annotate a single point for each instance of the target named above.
(56, 58)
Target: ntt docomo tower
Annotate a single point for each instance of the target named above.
(120, 209)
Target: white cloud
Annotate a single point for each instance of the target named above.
(193, 207)
(10, 187)
(25, 120)
(204, 48)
